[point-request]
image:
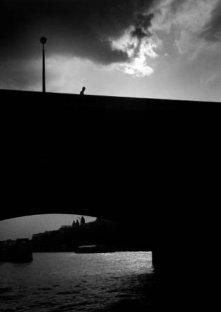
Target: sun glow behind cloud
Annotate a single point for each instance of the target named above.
(140, 52)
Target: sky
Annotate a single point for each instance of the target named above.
(138, 48)
(25, 227)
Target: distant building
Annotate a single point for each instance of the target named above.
(82, 221)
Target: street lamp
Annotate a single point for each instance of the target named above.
(43, 40)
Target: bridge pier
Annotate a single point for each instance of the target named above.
(156, 259)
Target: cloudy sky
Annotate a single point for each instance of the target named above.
(139, 48)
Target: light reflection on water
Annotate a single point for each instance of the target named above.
(76, 282)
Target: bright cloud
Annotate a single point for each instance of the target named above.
(181, 21)
(140, 51)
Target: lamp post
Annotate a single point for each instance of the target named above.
(43, 40)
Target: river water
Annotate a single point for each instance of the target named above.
(78, 282)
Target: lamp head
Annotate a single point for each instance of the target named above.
(43, 40)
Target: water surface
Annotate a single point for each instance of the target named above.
(77, 282)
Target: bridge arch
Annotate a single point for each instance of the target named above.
(141, 231)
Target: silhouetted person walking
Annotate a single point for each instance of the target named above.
(82, 91)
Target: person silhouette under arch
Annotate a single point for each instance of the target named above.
(82, 91)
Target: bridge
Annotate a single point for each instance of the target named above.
(125, 159)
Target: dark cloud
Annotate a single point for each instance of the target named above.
(77, 27)
(142, 25)
(212, 31)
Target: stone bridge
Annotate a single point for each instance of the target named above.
(129, 160)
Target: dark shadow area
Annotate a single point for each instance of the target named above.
(147, 296)
(116, 158)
